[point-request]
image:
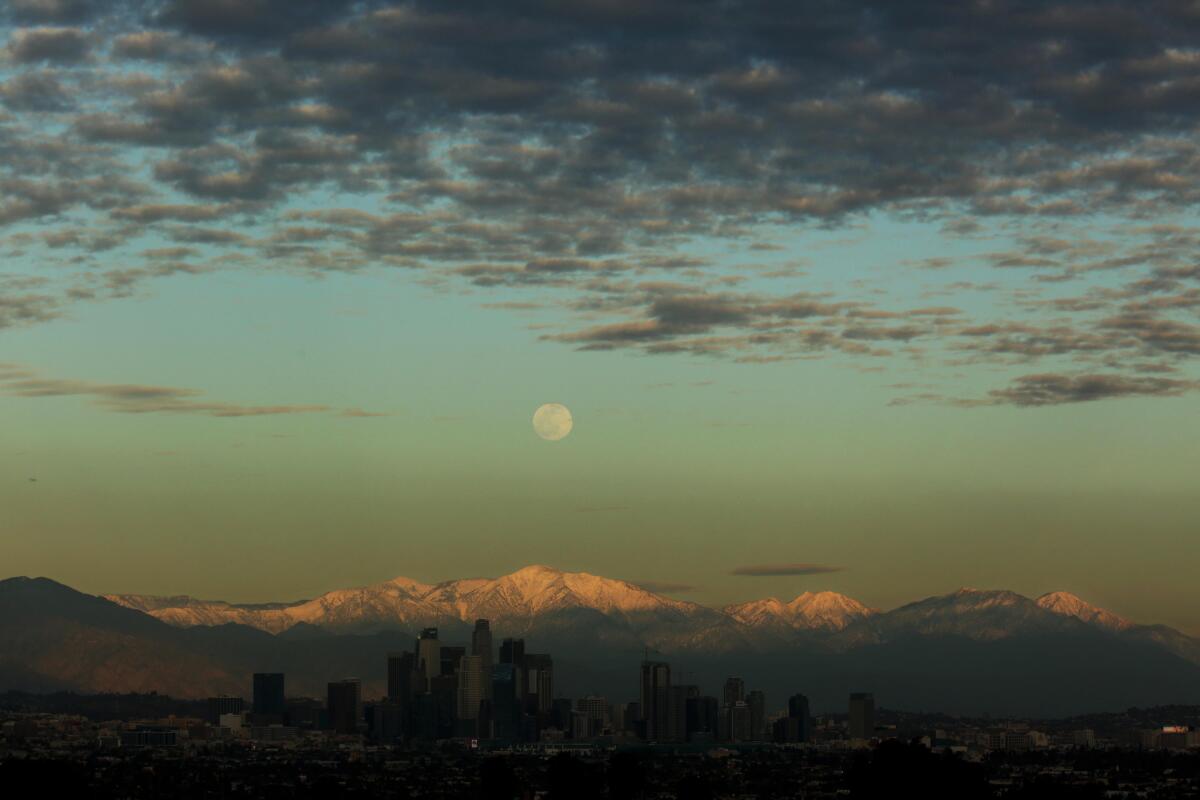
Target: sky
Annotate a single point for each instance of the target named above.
(839, 297)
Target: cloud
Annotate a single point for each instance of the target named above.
(1049, 389)
(60, 45)
(358, 413)
(663, 587)
(570, 157)
(773, 570)
(141, 399)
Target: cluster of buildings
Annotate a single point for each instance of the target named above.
(441, 691)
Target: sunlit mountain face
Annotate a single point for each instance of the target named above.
(521, 601)
(970, 650)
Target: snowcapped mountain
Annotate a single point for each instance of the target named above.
(518, 603)
(968, 651)
(1070, 605)
(810, 611)
(579, 607)
(979, 614)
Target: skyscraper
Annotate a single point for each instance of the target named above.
(403, 679)
(512, 651)
(655, 699)
(470, 687)
(539, 680)
(862, 715)
(757, 701)
(737, 722)
(735, 691)
(344, 705)
(506, 709)
(481, 644)
(452, 658)
(701, 716)
(268, 694)
(798, 710)
(429, 656)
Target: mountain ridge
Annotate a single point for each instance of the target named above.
(520, 600)
(944, 652)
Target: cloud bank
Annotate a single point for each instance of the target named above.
(576, 150)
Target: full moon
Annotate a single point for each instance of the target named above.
(552, 421)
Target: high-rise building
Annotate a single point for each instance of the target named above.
(655, 700)
(268, 694)
(224, 705)
(539, 681)
(344, 705)
(757, 701)
(506, 707)
(798, 710)
(471, 687)
(429, 656)
(736, 720)
(597, 712)
(679, 696)
(451, 659)
(385, 721)
(512, 651)
(403, 678)
(735, 691)
(862, 715)
(444, 690)
(481, 644)
(700, 718)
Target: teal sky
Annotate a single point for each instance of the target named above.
(257, 343)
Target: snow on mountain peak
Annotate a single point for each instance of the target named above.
(1072, 605)
(808, 611)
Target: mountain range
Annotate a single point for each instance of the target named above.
(971, 650)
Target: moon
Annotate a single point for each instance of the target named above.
(552, 421)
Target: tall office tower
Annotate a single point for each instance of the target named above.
(798, 710)
(655, 699)
(512, 651)
(677, 727)
(224, 705)
(700, 718)
(344, 705)
(452, 658)
(429, 656)
(631, 718)
(862, 715)
(403, 679)
(506, 708)
(386, 721)
(738, 722)
(597, 712)
(560, 713)
(268, 694)
(444, 689)
(539, 681)
(757, 701)
(470, 687)
(735, 691)
(481, 644)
